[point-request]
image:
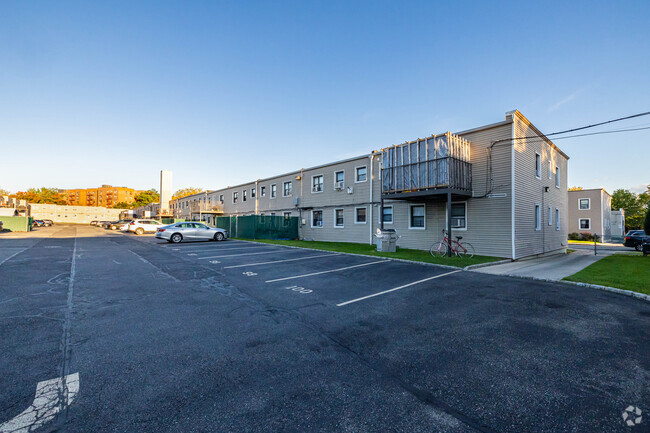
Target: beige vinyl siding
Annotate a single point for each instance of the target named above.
(529, 191)
(598, 213)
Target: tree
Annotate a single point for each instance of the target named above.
(185, 192)
(4, 192)
(146, 197)
(576, 188)
(122, 205)
(633, 207)
(41, 195)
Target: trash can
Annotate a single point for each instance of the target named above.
(386, 240)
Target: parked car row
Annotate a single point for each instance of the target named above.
(42, 223)
(175, 233)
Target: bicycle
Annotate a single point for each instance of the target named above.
(461, 249)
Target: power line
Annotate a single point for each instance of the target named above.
(534, 139)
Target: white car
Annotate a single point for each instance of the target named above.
(190, 231)
(141, 226)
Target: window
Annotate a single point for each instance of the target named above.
(274, 191)
(339, 179)
(361, 174)
(244, 195)
(317, 218)
(338, 218)
(360, 215)
(557, 219)
(287, 214)
(550, 216)
(538, 217)
(538, 166)
(263, 191)
(235, 196)
(550, 170)
(287, 189)
(253, 191)
(557, 176)
(387, 214)
(584, 223)
(317, 183)
(221, 198)
(416, 218)
(459, 216)
(584, 203)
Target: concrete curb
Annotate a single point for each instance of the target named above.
(471, 268)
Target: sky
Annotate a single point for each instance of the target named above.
(223, 93)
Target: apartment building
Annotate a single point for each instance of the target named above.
(104, 196)
(502, 187)
(590, 211)
(73, 213)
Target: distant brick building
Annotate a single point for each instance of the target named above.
(105, 196)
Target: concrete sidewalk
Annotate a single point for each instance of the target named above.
(553, 267)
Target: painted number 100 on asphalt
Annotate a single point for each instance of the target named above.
(298, 289)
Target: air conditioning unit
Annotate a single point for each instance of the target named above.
(316, 188)
(339, 185)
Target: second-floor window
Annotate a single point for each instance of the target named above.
(235, 197)
(361, 174)
(221, 198)
(263, 191)
(243, 197)
(317, 183)
(287, 189)
(538, 166)
(253, 192)
(339, 179)
(584, 204)
(274, 191)
(557, 176)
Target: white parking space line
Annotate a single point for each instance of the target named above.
(237, 255)
(217, 249)
(396, 288)
(13, 255)
(194, 244)
(325, 272)
(280, 261)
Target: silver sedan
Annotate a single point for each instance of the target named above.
(190, 231)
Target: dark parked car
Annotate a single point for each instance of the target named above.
(38, 223)
(116, 225)
(634, 239)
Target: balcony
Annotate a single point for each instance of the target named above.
(425, 168)
(202, 207)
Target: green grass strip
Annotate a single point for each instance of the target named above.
(628, 272)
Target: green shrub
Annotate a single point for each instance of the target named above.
(574, 236)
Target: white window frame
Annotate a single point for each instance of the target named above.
(337, 172)
(557, 218)
(221, 198)
(462, 229)
(263, 191)
(283, 189)
(557, 177)
(550, 169)
(584, 219)
(322, 183)
(588, 201)
(286, 214)
(356, 176)
(253, 192)
(274, 194)
(356, 221)
(538, 217)
(392, 213)
(235, 197)
(550, 215)
(311, 220)
(538, 165)
(244, 195)
(411, 206)
(337, 226)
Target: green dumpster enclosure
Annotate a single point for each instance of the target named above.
(16, 223)
(260, 226)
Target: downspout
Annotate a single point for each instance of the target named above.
(371, 157)
(256, 195)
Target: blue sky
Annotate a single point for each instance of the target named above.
(222, 93)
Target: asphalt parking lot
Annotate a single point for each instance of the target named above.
(247, 337)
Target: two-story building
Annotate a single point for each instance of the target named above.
(590, 211)
(503, 187)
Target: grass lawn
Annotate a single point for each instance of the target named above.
(629, 272)
(371, 250)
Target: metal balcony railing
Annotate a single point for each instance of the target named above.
(199, 207)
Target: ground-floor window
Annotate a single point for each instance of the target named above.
(387, 214)
(538, 217)
(317, 218)
(287, 214)
(557, 219)
(338, 218)
(360, 215)
(416, 217)
(459, 216)
(550, 216)
(584, 223)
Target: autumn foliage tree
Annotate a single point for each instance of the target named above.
(186, 191)
(41, 195)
